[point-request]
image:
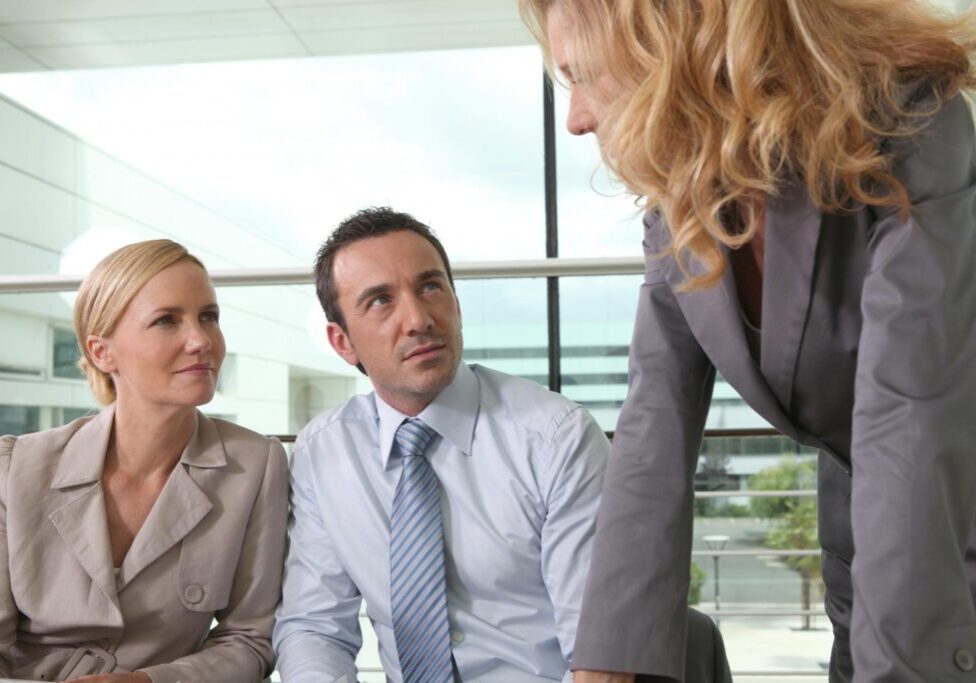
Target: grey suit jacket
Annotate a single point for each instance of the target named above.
(868, 353)
(211, 547)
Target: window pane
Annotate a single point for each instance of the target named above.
(19, 419)
(596, 317)
(65, 354)
(757, 580)
(505, 326)
(36, 394)
(251, 164)
(596, 216)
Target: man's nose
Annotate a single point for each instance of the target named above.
(416, 317)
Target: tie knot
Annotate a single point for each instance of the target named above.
(413, 437)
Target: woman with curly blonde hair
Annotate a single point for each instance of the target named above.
(809, 176)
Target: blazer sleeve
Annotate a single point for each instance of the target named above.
(914, 427)
(635, 604)
(238, 649)
(8, 609)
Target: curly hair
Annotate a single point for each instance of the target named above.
(716, 103)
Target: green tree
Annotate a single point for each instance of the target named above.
(697, 580)
(795, 518)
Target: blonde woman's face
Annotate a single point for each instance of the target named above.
(587, 100)
(167, 347)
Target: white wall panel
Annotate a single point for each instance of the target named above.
(30, 143)
(35, 212)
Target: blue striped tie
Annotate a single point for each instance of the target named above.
(418, 593)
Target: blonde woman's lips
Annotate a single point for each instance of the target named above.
(196, 369)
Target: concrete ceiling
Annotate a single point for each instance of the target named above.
(38, 35)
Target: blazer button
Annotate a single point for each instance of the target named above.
(193, 594)
(965, 660)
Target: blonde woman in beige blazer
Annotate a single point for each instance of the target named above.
(125, 535)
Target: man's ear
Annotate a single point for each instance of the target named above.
(339, 341)
(100, 353)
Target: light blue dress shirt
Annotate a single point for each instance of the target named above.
(520, 470)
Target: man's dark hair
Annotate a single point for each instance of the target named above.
(372, 222)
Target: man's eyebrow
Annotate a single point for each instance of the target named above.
(384, 287)
(432, 273)
(370, 292)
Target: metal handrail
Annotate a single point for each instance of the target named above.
(462, 270)
(765, 552)
(754, 674)
(784, 673)
(778, 493)
(762, 613)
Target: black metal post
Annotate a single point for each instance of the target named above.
(552, 233)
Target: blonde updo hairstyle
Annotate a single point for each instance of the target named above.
(106, 292)
(717, 102)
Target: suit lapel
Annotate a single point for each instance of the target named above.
(181, 505)
(715, 318)
(792, 234)
(81, 520)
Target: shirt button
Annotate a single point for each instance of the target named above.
(965, 660)
(193, 594)
(457, 637)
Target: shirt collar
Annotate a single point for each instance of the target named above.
(453, 414)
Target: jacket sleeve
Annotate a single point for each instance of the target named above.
(914, 431)
(635, 605)
(238, 649)
(8, 609)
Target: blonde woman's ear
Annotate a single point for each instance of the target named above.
(100, 353)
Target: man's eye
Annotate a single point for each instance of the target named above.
(433, 285)
(210, 316)
(380, 300)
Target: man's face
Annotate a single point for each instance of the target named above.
(402, 319)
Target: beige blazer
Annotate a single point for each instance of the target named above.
(211, 548)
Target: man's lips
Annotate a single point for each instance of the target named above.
(423, 351)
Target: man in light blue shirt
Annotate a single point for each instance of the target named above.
(518, 469)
